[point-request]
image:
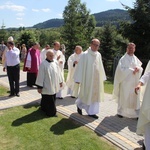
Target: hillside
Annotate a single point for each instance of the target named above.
(111, 16)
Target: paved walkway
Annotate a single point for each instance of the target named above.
(119, 131)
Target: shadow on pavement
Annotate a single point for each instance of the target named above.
(65, 101)
(115, 124)
(3, 98)
(4, 75)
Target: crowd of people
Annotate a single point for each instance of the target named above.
(85, 79)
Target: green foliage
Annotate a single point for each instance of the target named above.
(27, 37)
(48, 36)
(138, 31)
(111, 16)
(108, 41)
(50, 24)
(3, 34)
(78, 25)
(114, 16)
(112, 45)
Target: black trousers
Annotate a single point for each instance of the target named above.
(13, 73)
(48, 104)
(31, 78)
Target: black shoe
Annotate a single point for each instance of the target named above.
(79, 110)
(73, 97)
(18, 95)
(143, 147)
(119, 116)
(11, 95)
(59, 97)
(93, 116)
(30, 85)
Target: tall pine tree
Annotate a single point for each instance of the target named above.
(138, 30)
(78, 25)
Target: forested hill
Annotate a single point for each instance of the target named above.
(112, 16)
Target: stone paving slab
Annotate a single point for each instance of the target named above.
(119, 131)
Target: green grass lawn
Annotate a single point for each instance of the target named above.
(3, 90)
(108, 86)
(27, 128)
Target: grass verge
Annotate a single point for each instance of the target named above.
(27, 128)
(3, 91)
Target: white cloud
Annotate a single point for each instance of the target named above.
(19, 18)
(35, 10)
(12, 7)
(45, 9)
(20, 14)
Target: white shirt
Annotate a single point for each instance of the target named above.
(12, 57)
(43, 54)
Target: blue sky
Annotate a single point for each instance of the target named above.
(16, 13)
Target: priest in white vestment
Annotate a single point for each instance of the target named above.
(73, 88)
(126, 78)
(60, 58)
(49, 80)
(142, 90)
(43, 52)
(143, 126)
(90, 75)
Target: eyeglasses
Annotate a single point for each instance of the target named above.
(96, 45)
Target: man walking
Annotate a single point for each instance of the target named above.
(90, 75)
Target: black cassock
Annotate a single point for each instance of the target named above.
(48, 104)
(31, 78)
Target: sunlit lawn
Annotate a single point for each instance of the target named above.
(108, 86)
(27, 128)
(3, 90)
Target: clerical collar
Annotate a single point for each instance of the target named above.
(49, 60)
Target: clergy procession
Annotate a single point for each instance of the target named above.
(84, 81)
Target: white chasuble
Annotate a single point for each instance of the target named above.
(144, 117)
(90, 74)
(72, 86)
(124, 84)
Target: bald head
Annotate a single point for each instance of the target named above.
(50, 54)
(95, 43)
(56, 45)
(78, 49)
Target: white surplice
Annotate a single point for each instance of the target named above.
(43, 54)
(124, 84)
(49, 77)
(72, 86)
(91, 75)
(143, 126)
(147, 69)
(61, 66)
